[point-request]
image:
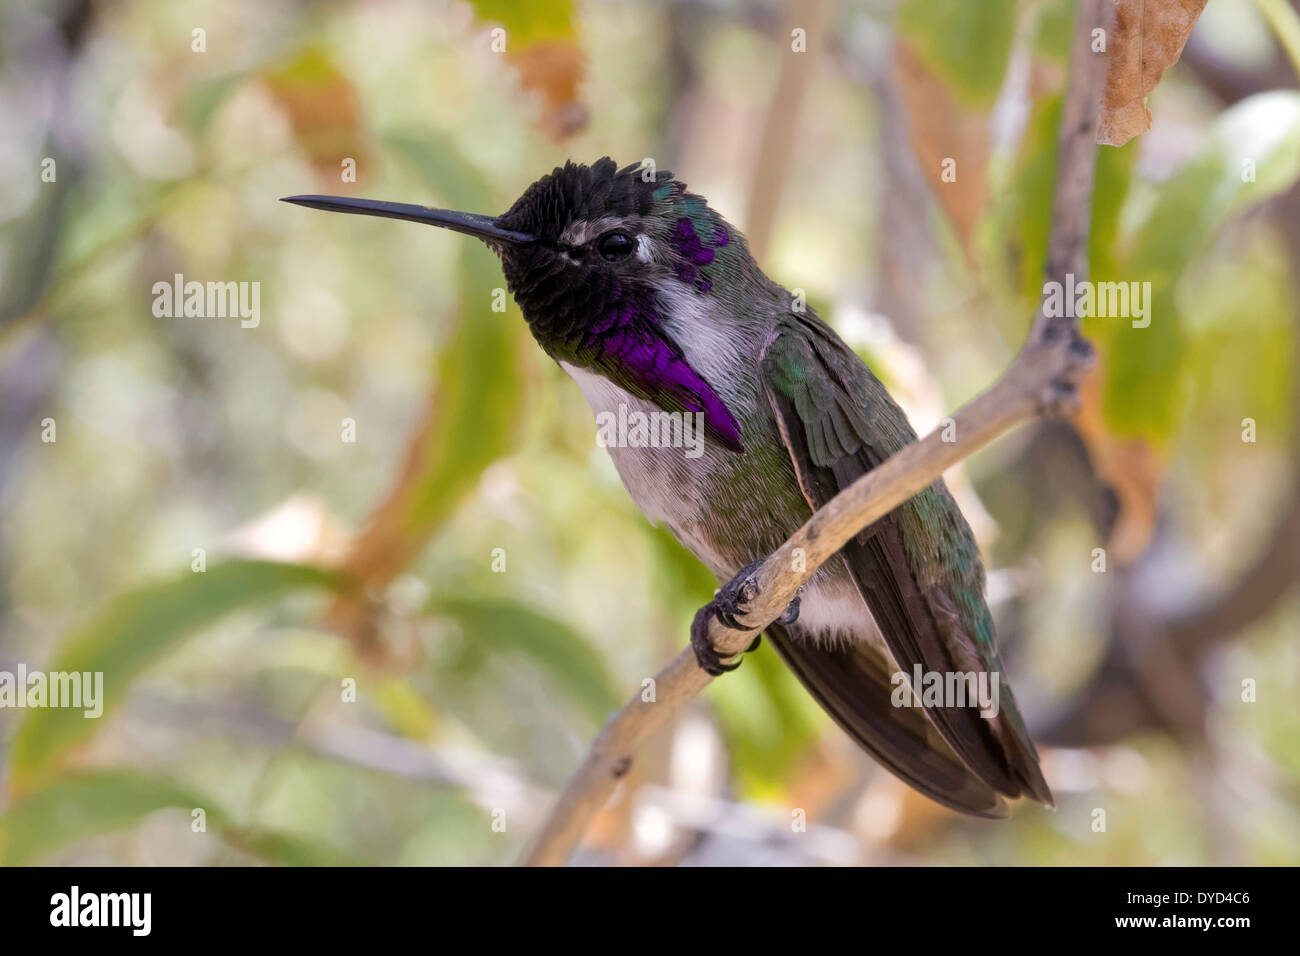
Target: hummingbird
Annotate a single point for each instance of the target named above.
(651, 302)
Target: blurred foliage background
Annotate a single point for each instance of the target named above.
(471, 565)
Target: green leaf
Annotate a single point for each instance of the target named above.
(1031, 204)
(1251, 154)
(531, 22)
(1193, 204)
(134, 631)
(967, 44)
(1237, 311)
(1055, 30)
(88, 804)
(504, 625)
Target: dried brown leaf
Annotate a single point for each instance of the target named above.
(553, 70)
(323, 106)
(1147, 38)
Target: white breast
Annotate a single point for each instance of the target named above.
(660, 480)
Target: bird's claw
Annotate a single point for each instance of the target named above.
(706, 655)
(727, 603)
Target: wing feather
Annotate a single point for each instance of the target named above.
(918, 568)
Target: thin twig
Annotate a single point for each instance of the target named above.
(1042, 379)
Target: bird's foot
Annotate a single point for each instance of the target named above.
(731, 600)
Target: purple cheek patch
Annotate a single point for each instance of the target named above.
(689, 246)
(694, 252)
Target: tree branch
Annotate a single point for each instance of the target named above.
(1042, 379)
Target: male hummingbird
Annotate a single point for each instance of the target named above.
(651, 301)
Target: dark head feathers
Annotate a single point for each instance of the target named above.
(575, 192)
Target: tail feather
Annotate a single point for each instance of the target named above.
(853, 686)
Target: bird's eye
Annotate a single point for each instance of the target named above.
(615, 245)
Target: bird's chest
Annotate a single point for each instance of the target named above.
(726, 508)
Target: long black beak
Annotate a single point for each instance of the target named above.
(472, 224)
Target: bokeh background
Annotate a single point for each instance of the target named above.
(395, 649)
